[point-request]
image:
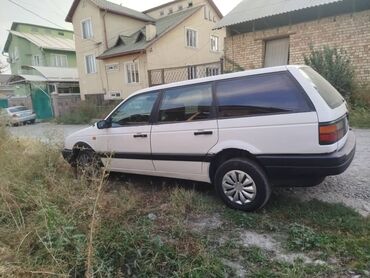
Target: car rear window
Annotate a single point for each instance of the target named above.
(18, 109)
(271, 93)
(331, 96)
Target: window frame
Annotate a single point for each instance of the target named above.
(126, 72)
(152, 112)
(213, 115)
(95, 67)
(217, 43)
(91, 28)
(300, 89)
(55, 57)
(39, 63)
(196, 38)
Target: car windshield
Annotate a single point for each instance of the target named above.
(331, 96)
(18, 109)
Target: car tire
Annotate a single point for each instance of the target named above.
(32, 122)
(87, 164)
(242, 184)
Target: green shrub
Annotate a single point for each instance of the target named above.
(335, 66)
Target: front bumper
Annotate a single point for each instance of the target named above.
(317, 165)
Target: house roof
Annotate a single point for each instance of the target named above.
(137, 41)
(214, 6)
(43, 41)
(111, 7)
(57, 74)
(16, 23)
(249, 10)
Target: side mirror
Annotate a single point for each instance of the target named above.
(103, 124)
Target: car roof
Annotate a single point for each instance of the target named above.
(216, 78)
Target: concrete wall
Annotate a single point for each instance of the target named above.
(20, 101)
(64, 103)
(350, 32)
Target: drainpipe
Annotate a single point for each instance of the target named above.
(105, 30)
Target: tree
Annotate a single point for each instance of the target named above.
(335, 66)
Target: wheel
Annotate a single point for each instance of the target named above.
(242, 184)
(87, 164)
(32, 122)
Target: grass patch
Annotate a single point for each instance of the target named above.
(53, 223)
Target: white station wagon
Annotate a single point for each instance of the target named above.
(244, 132)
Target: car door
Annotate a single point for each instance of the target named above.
(128, 139)
(186, 129)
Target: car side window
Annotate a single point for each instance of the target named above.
(186, 104)
(272, 93)
(135, 111)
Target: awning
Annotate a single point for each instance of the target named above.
(20, 78)
(56, 74)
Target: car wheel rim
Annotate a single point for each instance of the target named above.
(239, 187)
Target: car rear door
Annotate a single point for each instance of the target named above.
(185, 131)
(128, 140)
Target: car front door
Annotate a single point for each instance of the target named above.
(186, 129)
(128, 139)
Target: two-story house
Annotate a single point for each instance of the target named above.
(42, 60)
(120, 50)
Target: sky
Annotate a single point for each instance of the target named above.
(56, 11)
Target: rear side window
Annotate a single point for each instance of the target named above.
(331, 96)
(186, 104)
(260, 94)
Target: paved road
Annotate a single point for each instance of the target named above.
(351, 188)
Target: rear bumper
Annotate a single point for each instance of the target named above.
(317, 165)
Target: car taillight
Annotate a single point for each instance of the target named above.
(333, 132)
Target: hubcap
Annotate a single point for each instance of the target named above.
(239, 187)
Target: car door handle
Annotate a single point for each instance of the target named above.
(197, 133)
(141, 136)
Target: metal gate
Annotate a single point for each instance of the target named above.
(41, 103)
(4, 103)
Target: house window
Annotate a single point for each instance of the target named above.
(170, 11)
(191, 38)
(212, 71)
(277, 52)
(36, 60)
(60, 33)
(215, 44)
(34, 29)
(192, 72)
(161, 13)
(16, 53)
(58, 60)
(205, 12)
(112, 67)
(180, 7)
(90, 64)
(87, 31)
(132, 72)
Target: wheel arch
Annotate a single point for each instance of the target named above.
(77, 147)
(227, 154)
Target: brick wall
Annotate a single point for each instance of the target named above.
(350, 32)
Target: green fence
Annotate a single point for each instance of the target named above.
(4, 103)
(41, 103)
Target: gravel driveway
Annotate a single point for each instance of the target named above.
(352, 188)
